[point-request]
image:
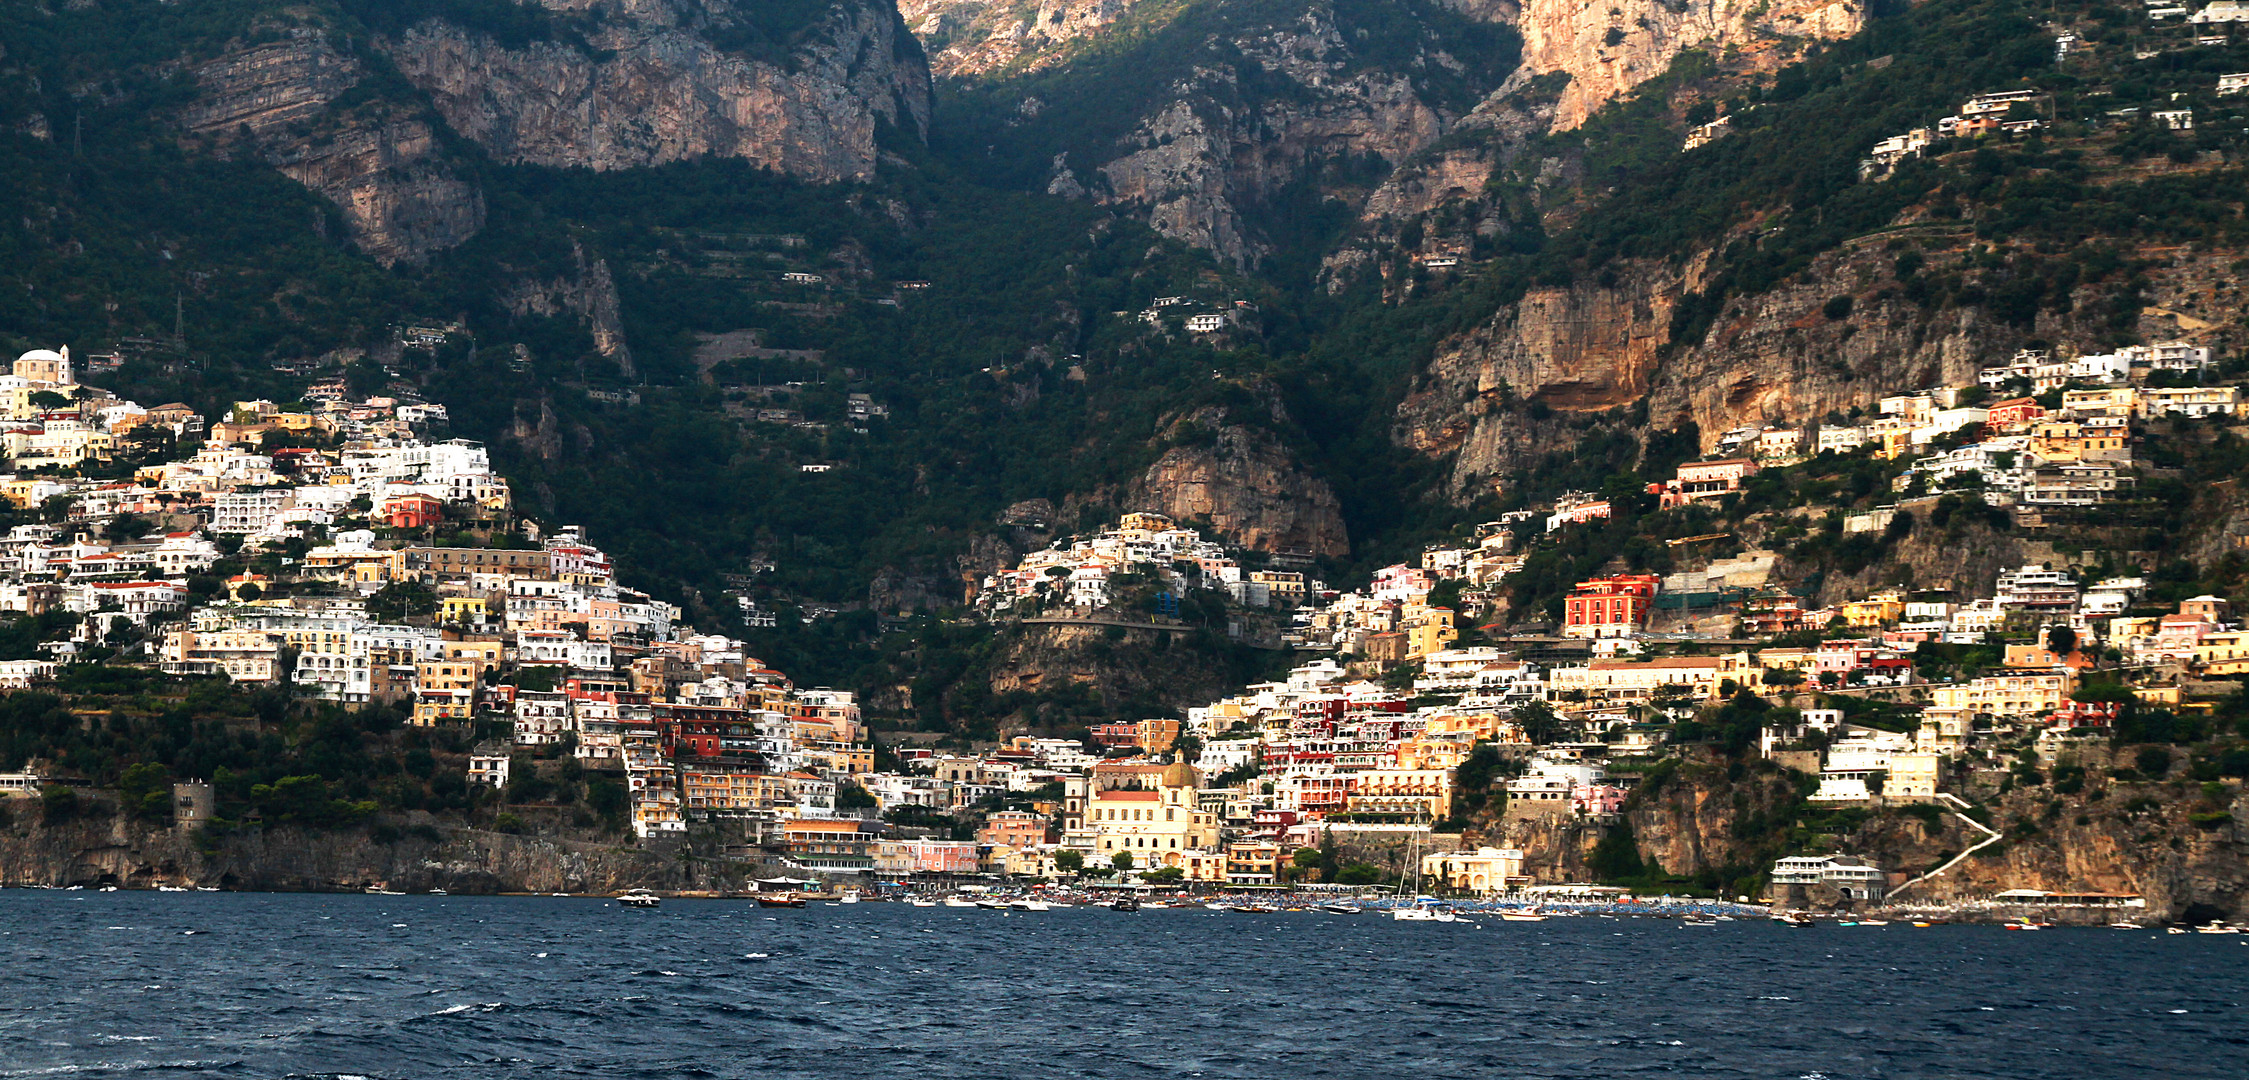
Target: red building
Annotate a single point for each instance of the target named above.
(1609, 606)
(412, 511)
(2014, 414)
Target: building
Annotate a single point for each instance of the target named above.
(1855, 878)
(1615, 606)
(489, 765)
(1151, 811)
(1484, 870)
(1700, 480)
(1702, 677)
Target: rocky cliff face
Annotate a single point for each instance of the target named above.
(977, 37)
(105, 851)
(1608, 49)
(650, 83)
(400, 197)
(1245, 484)
(1497, 397)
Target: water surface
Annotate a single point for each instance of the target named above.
(432, 988)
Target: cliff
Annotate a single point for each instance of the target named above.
(400, 196)
(646, 82)
(1245, 483)
(1608, 49)
(101, 850)
(1523, 382)
(977, 37)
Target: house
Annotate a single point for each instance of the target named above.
(1577, 508)
(1701, 480)
(2239, 81)
(1484, 870)
(1856, 879)
(412, 511)
(1615, 606)
(2012, 415)
(488, 764)
(1206, 322)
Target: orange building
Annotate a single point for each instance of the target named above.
(1609, 606)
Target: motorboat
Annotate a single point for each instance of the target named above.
(1027, 905)
(2024, 924)
(1531, 914)
(1125, 903)
(2217, 928)
(850, 896)
(170, 888)
(789, 900)
(2125, 926)
(1796, 919)
(1339, 909)
(377, 890)
(1423, 914)
(959, 901)
(992, 905)
(639, 898)
(921, 901)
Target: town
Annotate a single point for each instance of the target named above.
(344, 550)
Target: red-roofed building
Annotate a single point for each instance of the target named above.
(412, 511)
(1610, 606)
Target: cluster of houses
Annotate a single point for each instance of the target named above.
(1080, 576)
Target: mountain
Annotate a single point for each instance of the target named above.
(1461, 255)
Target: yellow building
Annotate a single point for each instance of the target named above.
(1880, 609)
(1485, 870)
(1149, 811)
(1911, 775)
(1703, 677)
(1428, 630)
(464, 609)
(1422, 793)
(2014, 695)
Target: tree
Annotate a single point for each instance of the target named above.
(146, 791)
(2061, 640)
(1358, 873)
(1169, 875)
(48, 400)
(1070, 862)
(1122, 861)
(57, 804)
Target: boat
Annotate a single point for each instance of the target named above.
(2176, 930)
(1423, 914)
(1868, 922)
(1125, 903)
(639, 898)
(169, 888)
(1529, 914)
(790, 900)
(992, 905)
(1924, 925)
(377, 890)
(1339, 909)
(206, 888)
(1152, 904)
(109, 888)
(1219, 907)
(1258, 909)
(2217, 928)
(850, 896)
(1796, 919)
(437, 892)
(921, 901)
(2125, 926)
(2024, 924)
(1027, 905)
(959, 901)
(1692, 921)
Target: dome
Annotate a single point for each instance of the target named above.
(42, 355)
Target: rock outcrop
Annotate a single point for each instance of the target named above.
(646, 82)
(978, 37)
(400, 197)
(1777, 358)
(1245, 484)
(1608, 49)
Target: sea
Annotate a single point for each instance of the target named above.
(144, 984)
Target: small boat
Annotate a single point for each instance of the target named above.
(2125, 926)
(377, 890)
(1691, 921)
(639, 898)
(992, 905)
(1125, 903)
(1874, 922)
(2024, 924)
(1154, 904)
(2213, 928)
(170, 888)
(850, 896)
(1028, 905)
(437, 892)
(206, 888)
(959, 901)
(109, 888)
(1220, 907)
(1339, 909)
(1529, 914)
(1796, 919)
(922, 901)
(2176, 930)
(1259, 909)
(1924, 925)
(789, 900)
(1422, 914)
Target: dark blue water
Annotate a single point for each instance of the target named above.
(164, 985)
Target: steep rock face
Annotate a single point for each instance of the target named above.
(1607, 49)
(106, 851)
(591, 295)
(1123, 666)
(1774, 358)
(975, 37)
(380, 165)
(649, 85)
(1196, 167)
(1245, 484)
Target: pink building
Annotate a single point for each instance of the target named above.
(1699, 480)
(1597, 798)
